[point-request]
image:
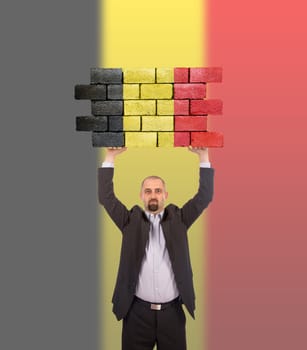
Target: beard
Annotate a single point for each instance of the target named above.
(153, 205)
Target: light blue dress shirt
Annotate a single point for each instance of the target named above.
(156, 282)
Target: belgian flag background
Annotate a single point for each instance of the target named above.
(59, 251)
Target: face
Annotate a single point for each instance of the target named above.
(153, 195)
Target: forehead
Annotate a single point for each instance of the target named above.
(153, 183)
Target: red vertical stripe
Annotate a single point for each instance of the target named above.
(258, 231)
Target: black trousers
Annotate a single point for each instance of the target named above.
(144, 327)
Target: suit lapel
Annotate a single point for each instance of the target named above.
(144, 234)
(166, 227)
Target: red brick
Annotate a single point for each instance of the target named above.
(181, 75)
(181, 107)
(201, 107)
(188, 123)
(190, 91)
(206, 75)
(181, 139)
(207, 139)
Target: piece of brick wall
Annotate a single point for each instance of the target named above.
(150, 107)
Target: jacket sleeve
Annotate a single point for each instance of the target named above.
(114, 207)
(192, 209)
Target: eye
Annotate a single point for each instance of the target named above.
(158, 190)
(147, 191)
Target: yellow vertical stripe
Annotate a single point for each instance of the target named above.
(138, 33)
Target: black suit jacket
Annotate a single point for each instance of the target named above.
(134, 226)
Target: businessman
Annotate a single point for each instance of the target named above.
(155, 276)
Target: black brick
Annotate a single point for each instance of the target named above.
(106, 75)
(108, 139)
(116, 123)
(107, 108)
(91, 123)
(115, 92)
(90, 92)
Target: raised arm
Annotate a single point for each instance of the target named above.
(195, 206)
(117, 211)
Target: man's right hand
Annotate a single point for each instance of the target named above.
(112, 152)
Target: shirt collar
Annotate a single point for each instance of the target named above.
(159, 214)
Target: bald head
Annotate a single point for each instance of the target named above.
(153, 177)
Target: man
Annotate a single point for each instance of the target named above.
(155, 275)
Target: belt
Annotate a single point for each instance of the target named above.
(156, 306)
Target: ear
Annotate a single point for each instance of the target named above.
(166, 195)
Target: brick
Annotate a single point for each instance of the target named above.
(90, 92)
(165, 139)
(140, 75)
(165, 75)
(165, 107)
(181, 107)
(116, 123)
(156, 123)
(107, 108)
(189, 123)
(181, 139)
(108, 139)
(140, 107)
(207, 139)
(106, 75)
(189, 91)
(131, 91)
(115, 91)
(181, 75)
(91, 123)
(206, 75)
(156, 91)
(201, 107)
(141, 139)
(132, 123)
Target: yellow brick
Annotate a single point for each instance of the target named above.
(155, 91)
(156, 123)
(141, 139)
(165, 75)
(131, 91)
(140, 107)
(165, 139)
(165, 107)
(139, 75)
(132, 123)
